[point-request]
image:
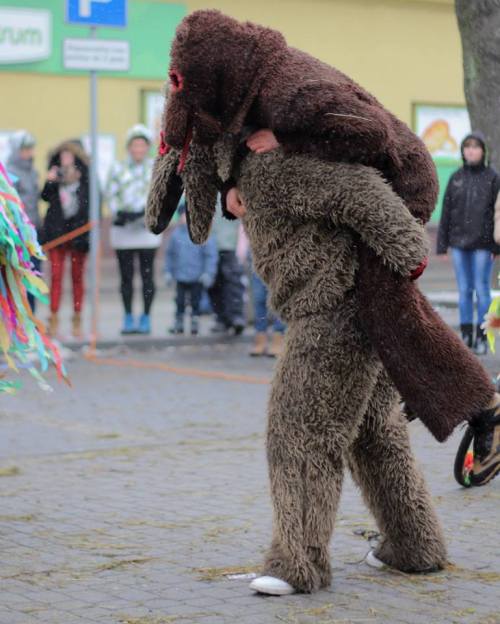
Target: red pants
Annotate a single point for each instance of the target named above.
(56, 257)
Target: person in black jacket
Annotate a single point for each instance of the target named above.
(466, 227)
(67, 192)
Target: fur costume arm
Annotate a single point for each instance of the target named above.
(380, 217)
(164, 192)
(200, 182)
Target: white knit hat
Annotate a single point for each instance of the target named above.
(20, 140)
(139, 131)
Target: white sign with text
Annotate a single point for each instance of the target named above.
(96, 54)
(25, 35)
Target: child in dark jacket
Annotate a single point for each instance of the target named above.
(192, 267)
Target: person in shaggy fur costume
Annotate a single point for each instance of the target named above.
(225, 74)
(331, 402)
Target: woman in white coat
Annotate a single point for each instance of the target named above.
(127, 192)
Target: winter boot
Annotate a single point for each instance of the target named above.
(76, 325)
(144, 324)
(53, 324)
(195, 326)
(480, 346)
(276, 347)
(260, 345)
(486, 426)
(128, 325)
(467, 334)
(178, 326)
(238, 326)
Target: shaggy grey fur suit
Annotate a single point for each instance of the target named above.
(331, 403)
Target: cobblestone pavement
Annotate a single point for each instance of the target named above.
(130, 497)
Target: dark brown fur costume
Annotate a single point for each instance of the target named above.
(227, 74)
(331, 402)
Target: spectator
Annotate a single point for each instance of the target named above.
(466, 227)
(127, 193)
(25, 179)
(263, 320)
(227, 292)
(193, 268)
(67, 192)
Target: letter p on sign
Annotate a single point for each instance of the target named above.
(85, 6)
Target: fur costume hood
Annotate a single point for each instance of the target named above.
(82, 161)
(218, 65)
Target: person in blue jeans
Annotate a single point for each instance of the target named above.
(264, 320)
(466, 226)
(192, 267)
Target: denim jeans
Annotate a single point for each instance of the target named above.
(473, 273)
(263, 318)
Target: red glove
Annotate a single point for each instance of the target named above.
(416, 273)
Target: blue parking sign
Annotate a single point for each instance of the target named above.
(109, 13)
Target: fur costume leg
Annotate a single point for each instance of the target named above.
(382, 464)
(319, 395)
(438, 377)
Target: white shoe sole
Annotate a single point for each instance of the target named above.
(373, 562)
(271, 586)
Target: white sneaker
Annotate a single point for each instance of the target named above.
(373, 562)
(272, 586)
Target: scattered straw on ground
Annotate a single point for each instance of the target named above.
(216, 574)
(9, 471)
(122, 563)
(25, 518)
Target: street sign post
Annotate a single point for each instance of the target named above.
(95, 54)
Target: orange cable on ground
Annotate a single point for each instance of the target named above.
(187, 372)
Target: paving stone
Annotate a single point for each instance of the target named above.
(137, 484)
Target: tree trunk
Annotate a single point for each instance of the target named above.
(479, 25)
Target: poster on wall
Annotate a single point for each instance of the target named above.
(152, 103)
(442, 128)
(106, 148)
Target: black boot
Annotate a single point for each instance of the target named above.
(178, 326)
(481, 345)
(467, 334)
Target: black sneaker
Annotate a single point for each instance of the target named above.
(178, 327)
(486, 445)
(195, 327)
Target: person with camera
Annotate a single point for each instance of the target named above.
(126, 194)
(67, 192)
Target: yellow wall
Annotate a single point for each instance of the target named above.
(54, 108)
(401, 50)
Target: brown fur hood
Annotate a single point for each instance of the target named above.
(74, 146)
(207, 92)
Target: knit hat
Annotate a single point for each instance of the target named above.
(139, 131)
(20, 140)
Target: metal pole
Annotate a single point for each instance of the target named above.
(94, 199)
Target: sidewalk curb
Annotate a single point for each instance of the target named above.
(142, 343)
